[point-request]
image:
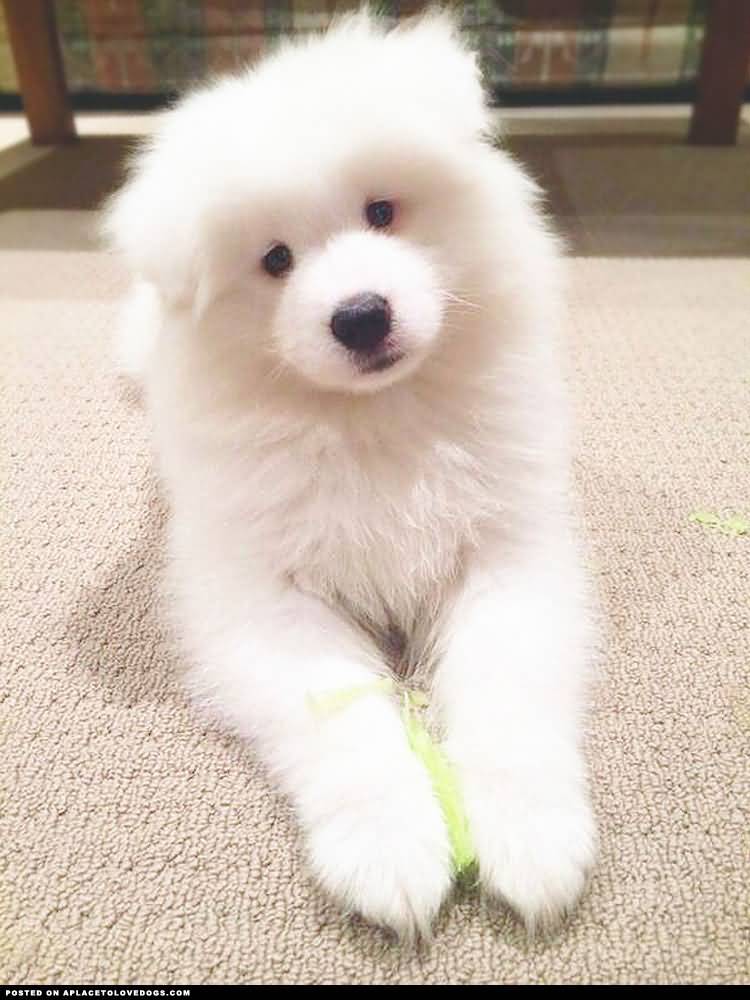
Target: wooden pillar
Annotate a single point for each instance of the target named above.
(36, 52)
(723, 74)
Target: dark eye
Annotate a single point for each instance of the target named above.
(278, 260)
(380, 213)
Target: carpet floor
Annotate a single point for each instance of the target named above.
(139, 844)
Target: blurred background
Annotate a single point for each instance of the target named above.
(138, 51)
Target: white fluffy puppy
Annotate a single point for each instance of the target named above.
(345, 313)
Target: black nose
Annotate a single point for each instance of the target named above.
(362, 322)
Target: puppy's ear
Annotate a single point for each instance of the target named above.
(154, 220)
(440, 67)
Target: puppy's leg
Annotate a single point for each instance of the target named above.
(510, 690)
(136, 331)
(289, 674)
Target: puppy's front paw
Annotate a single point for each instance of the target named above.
(535, 845)
(386, 858)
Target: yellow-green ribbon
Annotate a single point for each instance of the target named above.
(442, 773)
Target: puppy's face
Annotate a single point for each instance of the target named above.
(319, 212)
(362, 307)
(343, 278)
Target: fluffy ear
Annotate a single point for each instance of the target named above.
(444, 72)
(138, 226)
(143, 223)
(154, 220)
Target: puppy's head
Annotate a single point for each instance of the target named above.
(319, 212)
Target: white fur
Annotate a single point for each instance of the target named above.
(329, 525)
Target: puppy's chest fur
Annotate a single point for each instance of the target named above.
(376, 524)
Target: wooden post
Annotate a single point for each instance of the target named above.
(36, 53)
(723, 74)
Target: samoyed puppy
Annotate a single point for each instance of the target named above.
(344, 314)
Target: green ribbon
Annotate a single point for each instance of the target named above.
(442, 774)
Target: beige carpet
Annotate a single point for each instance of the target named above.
(140, 845)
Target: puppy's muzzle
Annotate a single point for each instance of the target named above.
(362, 322)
